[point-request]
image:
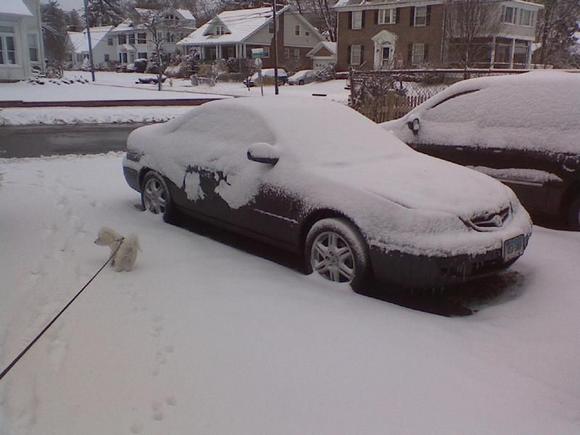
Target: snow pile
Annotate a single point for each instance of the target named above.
(398, 197)
(519, 174)
(536, 110)
(204, 338)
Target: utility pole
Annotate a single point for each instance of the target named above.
(89, 37)
(276, 91)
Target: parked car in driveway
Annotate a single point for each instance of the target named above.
(302, 77)
(267, 75)
(354, 207)
(523, 130)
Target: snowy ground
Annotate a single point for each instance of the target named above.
(204, 338)
(117, 86)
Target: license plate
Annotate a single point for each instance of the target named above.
(513, 248)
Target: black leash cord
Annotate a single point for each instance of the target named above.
(13, 363)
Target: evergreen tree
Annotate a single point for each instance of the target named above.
(54, 27)
(104, 12)
(74, 21)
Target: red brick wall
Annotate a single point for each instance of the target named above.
(432, 35)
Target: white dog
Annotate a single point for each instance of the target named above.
(124, 248)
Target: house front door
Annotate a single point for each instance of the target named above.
(384, 42)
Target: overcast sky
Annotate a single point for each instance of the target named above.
(68, 5)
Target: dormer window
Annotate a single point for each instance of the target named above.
(219, 30)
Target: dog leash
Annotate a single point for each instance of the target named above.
(27, 348)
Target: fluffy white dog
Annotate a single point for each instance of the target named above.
(125, 248)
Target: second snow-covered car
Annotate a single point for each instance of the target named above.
(302, 77)
(523, 130)
(356, 201)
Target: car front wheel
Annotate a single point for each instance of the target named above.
(337, 252)
(155, 196)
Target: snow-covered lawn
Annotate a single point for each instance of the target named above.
(122, 86)
(204, 338)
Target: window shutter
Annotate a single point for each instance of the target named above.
(350, 20)
(398, 16)
(350, 54)
(377, 16)
(428, 19)
(410, 54)
(362, 21)
(362, 54)
(412, 16)
(426, 53)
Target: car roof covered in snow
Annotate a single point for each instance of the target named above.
(536, 110)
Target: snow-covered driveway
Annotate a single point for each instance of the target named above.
(203, 338)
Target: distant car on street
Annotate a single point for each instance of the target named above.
(523, 130)
(267, 75)
(354, 200)
(302, 77)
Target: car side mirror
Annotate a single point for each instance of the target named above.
(414, 125)
(264, 153)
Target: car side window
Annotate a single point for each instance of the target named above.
(453, 107)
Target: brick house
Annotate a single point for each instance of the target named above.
(233, 35)
(386, 34)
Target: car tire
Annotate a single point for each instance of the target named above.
(335, 250)
(156, 198)
(301, 82)
(574, 214)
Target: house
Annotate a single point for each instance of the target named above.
(233, 35)
(132, 40)
(385, 34)
(21, 48)
(323, 54)
(77, 47)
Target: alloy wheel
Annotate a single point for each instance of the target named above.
(332, 257)
(155, 195)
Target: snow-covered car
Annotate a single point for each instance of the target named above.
(353, 206)
(302, 77)
(523, 130)
(267, 74)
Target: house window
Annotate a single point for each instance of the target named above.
(355, 54)
(418, 54)
(387, 16)
(297, 30)
(509, 15)
(357, 18)
(266, 52)
(142, 55)
(131, 38)
(420, 19)
(109, 41)
(296, 54)
(107, 58)
(122, 39)
(7, 47)
(219, 30)
(287, 53)
(525, 17)
(141, 38)
(33, 47)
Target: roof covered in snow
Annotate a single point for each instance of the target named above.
(14, 7)
(330, 46)
(238, 26)
(80, 42)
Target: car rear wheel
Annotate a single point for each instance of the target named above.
(301, 82)
(155, 196)
(574, 214)
(337, 252)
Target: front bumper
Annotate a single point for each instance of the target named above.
(132, 177)
(421, 271)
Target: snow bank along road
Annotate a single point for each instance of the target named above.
(204, 338)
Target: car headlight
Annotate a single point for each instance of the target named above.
(134, 156)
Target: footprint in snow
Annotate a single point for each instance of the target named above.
(157, 411)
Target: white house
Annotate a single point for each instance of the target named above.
(130, 40)
(323, 55)
(233, 35)
(78, 47)
(21, 46)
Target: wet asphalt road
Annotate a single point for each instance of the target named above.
(36, 141)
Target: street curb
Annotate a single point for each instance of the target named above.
(107, 103)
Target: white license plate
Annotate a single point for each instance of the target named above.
(513, 248)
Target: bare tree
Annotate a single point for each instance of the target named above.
(467, 24)
(160, 30)
(321, 11)
(556, 29)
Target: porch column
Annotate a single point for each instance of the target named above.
(529, 56)
(512, 52)
(202, 52)
(492, 54)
